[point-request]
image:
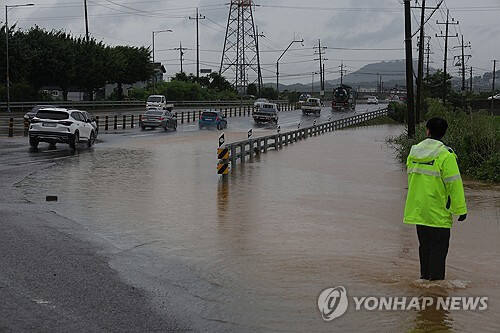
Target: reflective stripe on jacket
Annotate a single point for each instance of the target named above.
(435, 189)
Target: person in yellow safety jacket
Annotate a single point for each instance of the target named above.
(435, 194)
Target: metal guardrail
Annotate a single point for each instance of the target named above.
(102, 105)
(254, 146)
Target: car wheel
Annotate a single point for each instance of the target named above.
(74, 140)
(91, 140)
(34, 143)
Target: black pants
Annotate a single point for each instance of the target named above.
(433, 249)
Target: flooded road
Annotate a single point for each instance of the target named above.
(253, 252)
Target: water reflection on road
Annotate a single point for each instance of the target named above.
(253, 251)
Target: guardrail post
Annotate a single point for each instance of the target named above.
(132, 121)
(106, 123)
(26, 127)
(11, 127)
(115, 122)
(182, 117)
(242, 152)
(233, 156)
(239, 114)
(250, 150)
(124, 122)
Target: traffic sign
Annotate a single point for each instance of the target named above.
(250, 133)
(221, 139)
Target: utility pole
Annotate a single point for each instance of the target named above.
(471, 81)
(446, 36)
(461, 63)
(493, 85)
(321, 52)
(463, 58)
(86, 22)
(420, 75)
(181, 54)
(409, 70)
(428, 54)
(259, 71)
(341, 73)
(197, 18)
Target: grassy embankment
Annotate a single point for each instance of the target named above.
(474, 137)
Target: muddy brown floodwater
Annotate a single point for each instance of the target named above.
(252, 253)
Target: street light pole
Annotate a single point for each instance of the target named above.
(153, 33)
(7, 53)
(278, 64)
(7, 76)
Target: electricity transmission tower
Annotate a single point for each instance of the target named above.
(240, 56)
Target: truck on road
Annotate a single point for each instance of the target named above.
(344, 99)
(312, 105)
(266, 113)
(159, 101)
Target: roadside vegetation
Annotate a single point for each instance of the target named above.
(42, 59)
(474, 136)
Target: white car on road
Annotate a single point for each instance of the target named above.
(496, 97)
(372, 100)
(261, 101)
(57, 125)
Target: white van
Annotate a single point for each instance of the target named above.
(158, 101)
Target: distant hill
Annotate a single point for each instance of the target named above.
(393, 74)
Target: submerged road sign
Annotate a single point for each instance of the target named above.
(223, 153)
(221, 139)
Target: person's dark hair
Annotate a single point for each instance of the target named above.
(437, 127)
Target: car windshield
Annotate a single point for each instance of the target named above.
(53, 115)
(209, 114)
(154, 99)
(154, 113)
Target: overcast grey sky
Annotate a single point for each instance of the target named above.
(362, 24)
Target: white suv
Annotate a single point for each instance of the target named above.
(57, 125)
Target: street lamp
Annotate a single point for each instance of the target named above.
(7, 47)
(278, 64)
(154, 73)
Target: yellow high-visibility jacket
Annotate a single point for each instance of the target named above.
(435, 189)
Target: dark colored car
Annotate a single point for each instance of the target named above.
(35, 109)
(212, 119)
(158, 118)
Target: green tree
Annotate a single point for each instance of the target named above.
(252, 89)
(433, 85)
(128, 65)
